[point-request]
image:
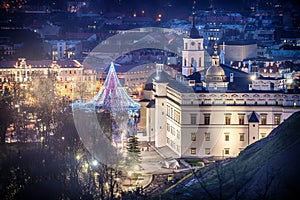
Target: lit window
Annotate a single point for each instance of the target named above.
(263, 119)
(242, 137)
(207, 151)
(227, 119)
(226, 136)
(193, 136)
(241, 119)
(207, 136)
(193, 151)
(226, 151)
(277, 119)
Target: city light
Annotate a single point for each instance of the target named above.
(253, 77)
(289, 81)
(164, 108)
(78, 157)
(94, 163)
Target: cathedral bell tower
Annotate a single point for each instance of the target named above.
(193, 52)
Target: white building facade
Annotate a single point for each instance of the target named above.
(219, 115)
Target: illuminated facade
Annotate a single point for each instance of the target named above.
(70, 78)
(216, 114)
(136, 77)
(193, 52)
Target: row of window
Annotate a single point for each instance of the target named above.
(173, 131)
(192, 62)
(207, 151)
(193, 43)
(61, 79)
(173, 145)
(263, 119)
(230, 102)
(45, 72)
(173, 114)
(226, 136)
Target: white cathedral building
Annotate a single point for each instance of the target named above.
(215, 110)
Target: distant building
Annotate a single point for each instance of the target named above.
(134, 77)
(76, 6)
(63, 49)
(70, 77)
(6, 50)
(45, 29)
(212, 33)
(239, 50)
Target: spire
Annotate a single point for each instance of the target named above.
(215, 49)
(193, 14)
(215, 56)
(211, 6)
(194, 32)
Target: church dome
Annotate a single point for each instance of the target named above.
(215, 74)
(215, 71)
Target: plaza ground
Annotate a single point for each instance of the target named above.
(153, 172)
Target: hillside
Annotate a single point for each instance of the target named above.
(267, 169)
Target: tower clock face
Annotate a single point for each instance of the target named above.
(193, 43)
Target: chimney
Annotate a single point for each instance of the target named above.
(159, 68)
